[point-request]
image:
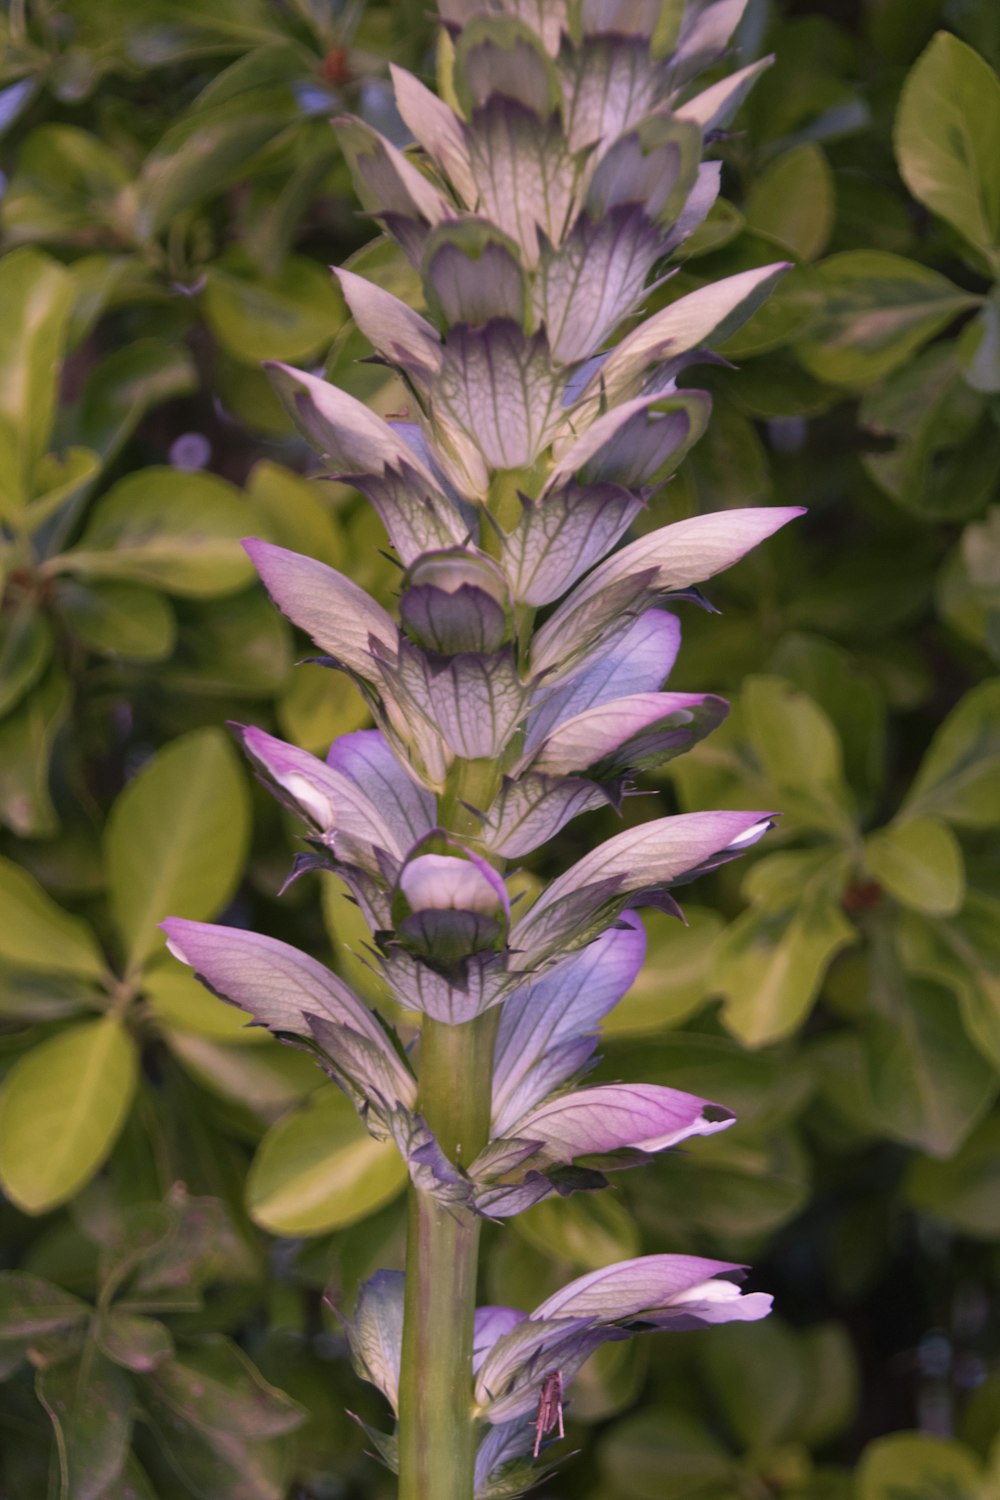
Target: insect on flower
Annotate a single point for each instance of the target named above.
(550, 1410)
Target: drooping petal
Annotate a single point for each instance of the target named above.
(278, 986)
(610, 1117)
(341, 618)
(472, 273)
(631, 1287)
(365, 757)
(491, 1324)
(375, 1333)
(584, 288)
(609, 82)
(330, 800)
(525, 173)
(669, 559)
(638, 443)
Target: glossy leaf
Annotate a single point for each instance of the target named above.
(38, 934)
(61, 1109)
(175, 531)
(176, 839)
(919, 861)
(949, 112)
(37, 294)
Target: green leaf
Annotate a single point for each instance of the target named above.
(919, 862)
(673, 982)
(170, 529)
(317, 706)
(979, 347)
(37, 934)
(266, 1080)
(964, 955)
(206, 150)
(319, 1169)
(176, 839)
(133, 1341)
(219, 1425)
(61, 1109)
(118, 619)
(770, 967)
(295, 514)
(879, 309)
(240, 646)
(293, 315)
(36, 295)
(26, 740)
(665, 1455)
(945, 137)
(31, 1308)
(800, 754)
(754, 1374)
(927, 1083)
(25, 648)
(848, 694)
(964, 1191)
(59, 479)
(944, 458)
(829, 1386)
(67, 182)
(957, 778)
(122, 388)
(589, 1230)
(912, 1466)
(90, 1402)
(792, 201)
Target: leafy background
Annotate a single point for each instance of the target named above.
(184, 1205)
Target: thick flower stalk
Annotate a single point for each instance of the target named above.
(521, 686)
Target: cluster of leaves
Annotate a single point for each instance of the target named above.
(174, 196)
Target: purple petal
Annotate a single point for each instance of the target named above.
(437, 128)
(584, 288)
(631, 1287)
(653, 854)
(366, 759)
(491, 1324)
(330, 800)
(715, 106)
(699, 203)
(645, 1117)
(277, 985)
(566, 1003)
(386, 182)
(531, 810)
(672, 558)
(474, 700)
(393, 329)
(341, 618)
(498, 388)
(345, 431)
(453, 997)
(472, 274)
(443, 882)
(590, 737)
(561, 536)
(639, 662)
(712, 312)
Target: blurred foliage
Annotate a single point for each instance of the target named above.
(184, 1206)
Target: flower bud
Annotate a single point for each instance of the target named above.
(454, 602)
(449, 905)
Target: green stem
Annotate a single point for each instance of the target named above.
(436, 1429)
(436, 1426)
